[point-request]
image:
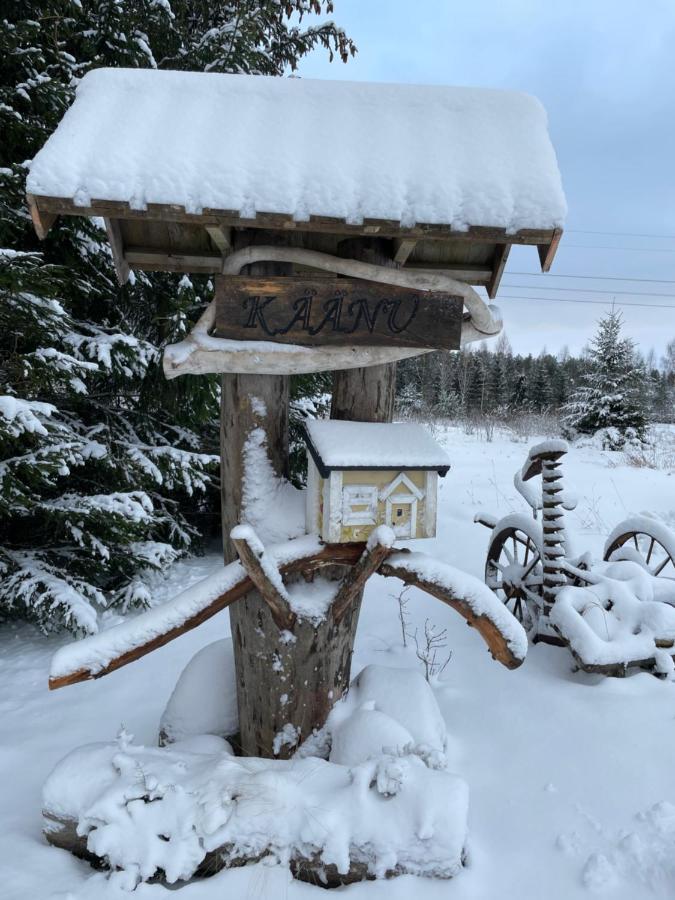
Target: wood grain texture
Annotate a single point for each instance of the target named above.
(335, 312)
(355, 579)
(279, 608)
(329, 555)
(493, 637)
(381, 227)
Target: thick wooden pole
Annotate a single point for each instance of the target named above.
(288, 679)
(365, 395)
(249, 402)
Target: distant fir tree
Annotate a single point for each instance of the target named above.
(611, 397)
(105, 467)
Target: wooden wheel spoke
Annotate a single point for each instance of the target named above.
(508, 554)
(535, 560)
(661, 566)
(651, 548)
(635, 541)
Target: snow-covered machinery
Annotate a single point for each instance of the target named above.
(613, 616)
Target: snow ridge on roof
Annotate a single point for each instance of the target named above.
(370, 445)
(410, 153)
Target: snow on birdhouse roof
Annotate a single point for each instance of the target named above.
(336, 444)
(455, 156)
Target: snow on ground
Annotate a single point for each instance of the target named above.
(571, 778)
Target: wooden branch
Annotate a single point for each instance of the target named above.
(330, 554)
(493, 637)
(370, 561)
(252, 553)
(112, 226)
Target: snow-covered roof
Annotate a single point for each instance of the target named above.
(248, 144)
(335, 444)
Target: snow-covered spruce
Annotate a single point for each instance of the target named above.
(383, 804)
(72, 341)
(611, 397)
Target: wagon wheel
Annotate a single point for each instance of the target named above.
(514, 570)
(645, 542)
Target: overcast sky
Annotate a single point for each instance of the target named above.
(605, 71)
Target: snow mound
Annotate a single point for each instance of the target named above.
(402, 697)
(150, 810)
(409, 153)
(204, 701)
(366, 734)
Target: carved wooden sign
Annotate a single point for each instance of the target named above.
(334, 311)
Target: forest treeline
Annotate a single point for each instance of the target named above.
(492, 381)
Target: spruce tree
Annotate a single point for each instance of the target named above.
(106, 470)
(610, 397)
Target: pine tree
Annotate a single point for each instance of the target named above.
(105, 468)
(610, 398)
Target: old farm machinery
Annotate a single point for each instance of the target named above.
(612, 616)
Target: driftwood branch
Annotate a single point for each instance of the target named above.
(328, 555)
(488, 630)
(369, 562)
(252, 555)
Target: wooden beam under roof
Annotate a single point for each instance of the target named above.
(498, 266)
(402, 249)
(115, 209)
(548, 251)
(42, 221)
(112, 227)
(221, 235)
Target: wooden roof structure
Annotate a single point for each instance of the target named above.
(194, 238)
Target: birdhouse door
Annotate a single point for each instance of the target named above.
(401, 517)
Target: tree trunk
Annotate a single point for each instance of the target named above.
(243, 400)
(286, 682)
(365, 395)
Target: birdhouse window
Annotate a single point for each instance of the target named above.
(359, 504)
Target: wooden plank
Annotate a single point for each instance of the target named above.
(548, 251)
(112, 226)
(342, 312)
(501, 257)
(327, 224)
(467, 273)
(403, 249)
(153, 260)
(42, 221)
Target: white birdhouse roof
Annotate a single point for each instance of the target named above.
(336, 445)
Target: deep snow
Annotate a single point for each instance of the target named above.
(571, 777)
(412, 153)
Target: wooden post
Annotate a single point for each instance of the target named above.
(287, 678)
(365, 395)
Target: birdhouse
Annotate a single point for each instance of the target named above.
(363, 474)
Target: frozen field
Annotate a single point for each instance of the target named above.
(571, 777)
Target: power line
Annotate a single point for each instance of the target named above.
(625, 249)
(548, 275)
(591, 302)
(621, 233)
(589, 290)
